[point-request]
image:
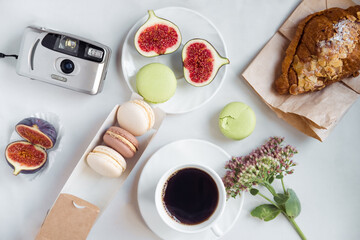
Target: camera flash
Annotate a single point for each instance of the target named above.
(92, 52)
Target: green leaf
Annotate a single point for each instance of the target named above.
(265, 212)
(292, 206)
(271, 179)
(279, 176)
(254, 191)
(281, 198)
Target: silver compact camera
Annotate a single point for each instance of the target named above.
(63, 59)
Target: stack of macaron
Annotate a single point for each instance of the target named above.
(135, 118)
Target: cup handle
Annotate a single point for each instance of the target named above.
(216, 230)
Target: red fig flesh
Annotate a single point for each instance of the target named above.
(201, 62)
(30, 156)
(24, 156)
(37, 131)
(157, 36)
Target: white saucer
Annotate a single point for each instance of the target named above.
(191, 25)
(172, 154)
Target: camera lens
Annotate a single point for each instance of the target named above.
(67, 66)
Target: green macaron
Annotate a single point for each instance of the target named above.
(156, 82)
(237, 120)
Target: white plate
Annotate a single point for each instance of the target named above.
(173, 154)
(191, 25)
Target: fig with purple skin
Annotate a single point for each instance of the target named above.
(25, 156)
(37, 131)
(30, 156)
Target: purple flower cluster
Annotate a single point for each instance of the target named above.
(267, 162)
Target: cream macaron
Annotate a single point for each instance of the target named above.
(136, 117)
(106, 161)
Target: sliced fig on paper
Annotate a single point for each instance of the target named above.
(157, 36)
(37, 131)
(26, 157)
(201, 62)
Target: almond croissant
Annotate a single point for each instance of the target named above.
(325, 49)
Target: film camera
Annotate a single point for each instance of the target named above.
(63, 59)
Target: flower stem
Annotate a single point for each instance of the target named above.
(266, 198)
(296, 227)
(283, 186)
(291, 220)
(270, 188)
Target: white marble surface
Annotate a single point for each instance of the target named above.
(326, 178)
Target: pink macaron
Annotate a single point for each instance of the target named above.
(122, 141)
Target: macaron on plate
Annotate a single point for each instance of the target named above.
(112, 154)
(179, 97)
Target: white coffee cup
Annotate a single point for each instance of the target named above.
(185, 228)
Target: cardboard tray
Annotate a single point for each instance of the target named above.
(86, 193)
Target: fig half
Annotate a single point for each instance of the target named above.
(25, 156)
(37, 131)
(157, 36)
(201, 62)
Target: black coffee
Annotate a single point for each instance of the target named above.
(190, 196)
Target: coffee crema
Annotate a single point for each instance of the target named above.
(190, 196)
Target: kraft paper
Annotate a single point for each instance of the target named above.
(316, 113)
